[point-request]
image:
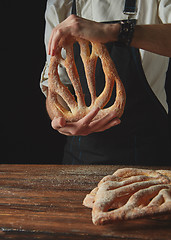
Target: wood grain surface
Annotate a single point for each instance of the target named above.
(45, 202)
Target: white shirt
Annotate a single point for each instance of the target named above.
(148, 12)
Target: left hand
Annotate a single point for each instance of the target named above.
(86, 125)
(75, 26)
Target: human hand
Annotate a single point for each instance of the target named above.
(86, 125)
(75, 26)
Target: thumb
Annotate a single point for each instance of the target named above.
(58, 122)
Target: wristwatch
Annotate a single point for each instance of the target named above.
(126, 31)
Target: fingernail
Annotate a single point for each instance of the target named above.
(53, 124)
(117, 121)
(52, 53)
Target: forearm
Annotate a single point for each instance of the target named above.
(154, 38)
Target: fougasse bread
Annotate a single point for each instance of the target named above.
(78, 109)
(130, 193)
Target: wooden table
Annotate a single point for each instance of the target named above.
(45, 202)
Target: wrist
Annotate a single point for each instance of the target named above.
(111, 32)
(114, 30)
(126, 32)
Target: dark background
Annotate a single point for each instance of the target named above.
(26, 129)
(29, 136)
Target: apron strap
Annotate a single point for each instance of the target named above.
(74, 9)
(130, 7)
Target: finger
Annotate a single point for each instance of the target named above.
(58, 47)
(112, 123)
(89, 117)
(70, 128)
(50, 42)
(81, 126)
(74, 130)
(64, 133)
(103, 121)
(58, 37)
(90, 129)
(58, 123)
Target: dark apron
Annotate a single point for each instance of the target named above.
(142, 137)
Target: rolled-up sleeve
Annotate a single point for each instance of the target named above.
(165, 11)
(56, 12)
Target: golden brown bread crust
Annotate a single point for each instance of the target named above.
(79, 109)
(130, 193)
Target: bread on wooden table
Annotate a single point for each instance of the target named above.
(130, 193)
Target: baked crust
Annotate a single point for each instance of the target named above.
(78, 109)
(130, 193)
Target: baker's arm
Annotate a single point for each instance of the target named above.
(154, 38)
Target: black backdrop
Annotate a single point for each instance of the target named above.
(29, 136)
(26, 129)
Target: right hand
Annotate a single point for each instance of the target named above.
(75, 26)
